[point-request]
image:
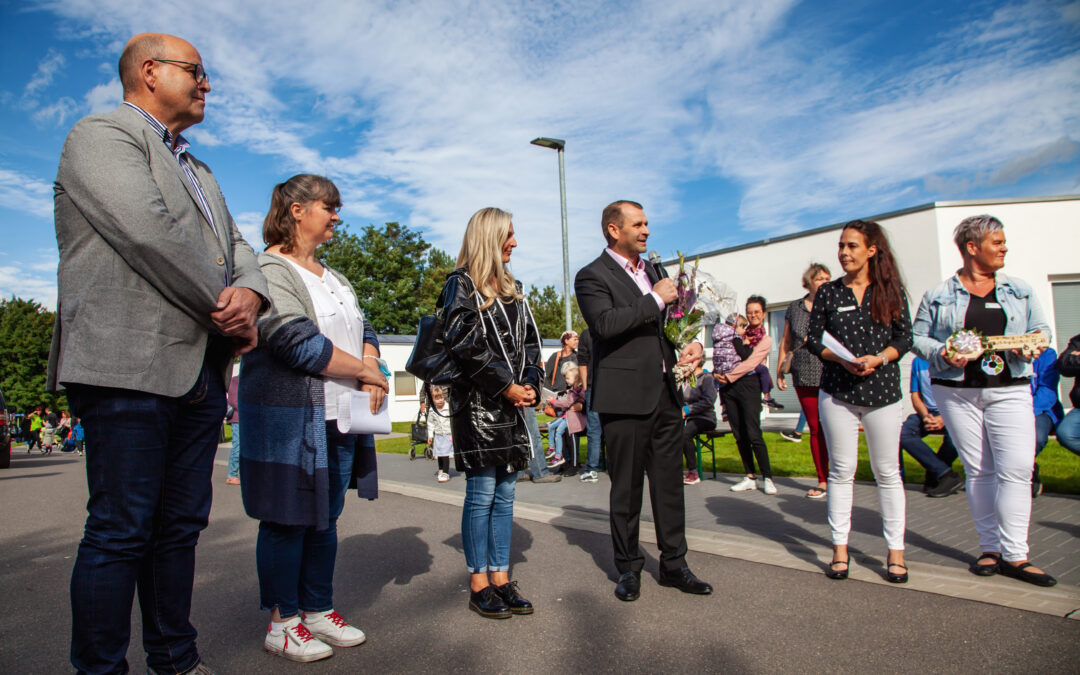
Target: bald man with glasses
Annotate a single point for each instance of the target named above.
(157, 293)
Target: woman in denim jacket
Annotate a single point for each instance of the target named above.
(986, 402)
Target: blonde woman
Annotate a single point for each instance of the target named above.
(492, 337)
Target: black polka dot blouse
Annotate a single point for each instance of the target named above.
(836, 311)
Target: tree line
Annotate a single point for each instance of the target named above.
(396, 273)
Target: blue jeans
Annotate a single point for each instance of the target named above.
(1068, 431)
(487, 518)
(1043, 426)
(593, 433)
(911, 439)
(537, 466)
(555, 435)
(149, 462)
(296, 563)
(801, 424)
(234, 453)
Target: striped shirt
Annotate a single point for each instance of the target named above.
(179, 149)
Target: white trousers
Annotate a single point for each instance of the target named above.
(994, 433)
(882, 426)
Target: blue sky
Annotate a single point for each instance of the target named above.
(730, 120)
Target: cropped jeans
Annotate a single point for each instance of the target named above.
(296, 563)
(487, 518)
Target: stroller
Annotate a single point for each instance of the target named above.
(418, 437)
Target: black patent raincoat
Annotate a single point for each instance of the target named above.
(491, 352)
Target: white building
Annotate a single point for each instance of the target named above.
(1043, 235)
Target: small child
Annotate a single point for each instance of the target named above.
(48, 437)
(572, 420)
(438, 432)
(725, 357)
(79, 434)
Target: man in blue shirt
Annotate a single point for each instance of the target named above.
(1048, 411)
(941, 480)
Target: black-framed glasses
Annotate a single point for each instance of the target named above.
(199, 73)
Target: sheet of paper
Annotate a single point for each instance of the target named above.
(835, 346)
(354, 414)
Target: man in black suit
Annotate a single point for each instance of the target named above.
(623, 299)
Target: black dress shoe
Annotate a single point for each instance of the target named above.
(486, 602)
(685, 581)
(896, 578)
(629, 587)
(986, 570)
(948, 483)
(509, 594)
(1020, 572)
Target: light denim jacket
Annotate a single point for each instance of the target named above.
(942, 312)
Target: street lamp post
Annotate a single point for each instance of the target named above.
(560, 145)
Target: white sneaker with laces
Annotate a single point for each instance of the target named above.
(333, 628)
(747, 483)
(442, 476)
(589, 477)
(296, 643)
(769, 488)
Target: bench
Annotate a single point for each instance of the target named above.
(707, 441)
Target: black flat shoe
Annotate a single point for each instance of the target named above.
(986, 570)
(509, 594)
(833, 573)
(487, 603)
(685, 581)
(896, 578)
(629, 587)
(1020, 572)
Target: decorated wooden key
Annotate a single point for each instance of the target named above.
(971, 343)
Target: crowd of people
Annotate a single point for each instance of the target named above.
(146, 242)
(41, 428)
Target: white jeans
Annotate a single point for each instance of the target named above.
(994, 433)
(882, 426)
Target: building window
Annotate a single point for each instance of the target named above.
(1066, 324)
(404, 384)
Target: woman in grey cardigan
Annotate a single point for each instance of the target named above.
(313, 346)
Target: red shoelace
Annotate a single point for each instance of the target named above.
(337, 620)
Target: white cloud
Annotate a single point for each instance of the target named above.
(43, 76)
(40, 287)
(104, 97)
(250, 225)
(26, 193)
(647, 95)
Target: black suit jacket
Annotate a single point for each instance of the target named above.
(632, 359)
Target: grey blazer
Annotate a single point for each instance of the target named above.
(140, 267)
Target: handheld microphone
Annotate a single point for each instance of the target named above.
(661, 271)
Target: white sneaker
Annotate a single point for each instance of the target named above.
(442, 476)
(589, 477)
(333, 628)
(296, 643)
(747, 483)
(769, 488)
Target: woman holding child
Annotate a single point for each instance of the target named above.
(741, 395)
(866, 311)
(492, 338)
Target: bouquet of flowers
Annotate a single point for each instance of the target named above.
(701, 301)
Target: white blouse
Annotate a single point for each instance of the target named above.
(340, 320)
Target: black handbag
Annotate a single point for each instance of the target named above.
(418, 431)
(430, 360)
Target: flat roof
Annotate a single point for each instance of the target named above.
(881, 216)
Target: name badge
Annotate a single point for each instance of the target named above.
(851, 308)
(992, 305)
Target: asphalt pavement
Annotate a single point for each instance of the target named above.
(401, 577)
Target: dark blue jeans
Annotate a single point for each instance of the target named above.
(593, 433)
(295, 563)
(149, 461)
(1043, 426)
(911, 439)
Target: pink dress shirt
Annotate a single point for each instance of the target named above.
(637, 273)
